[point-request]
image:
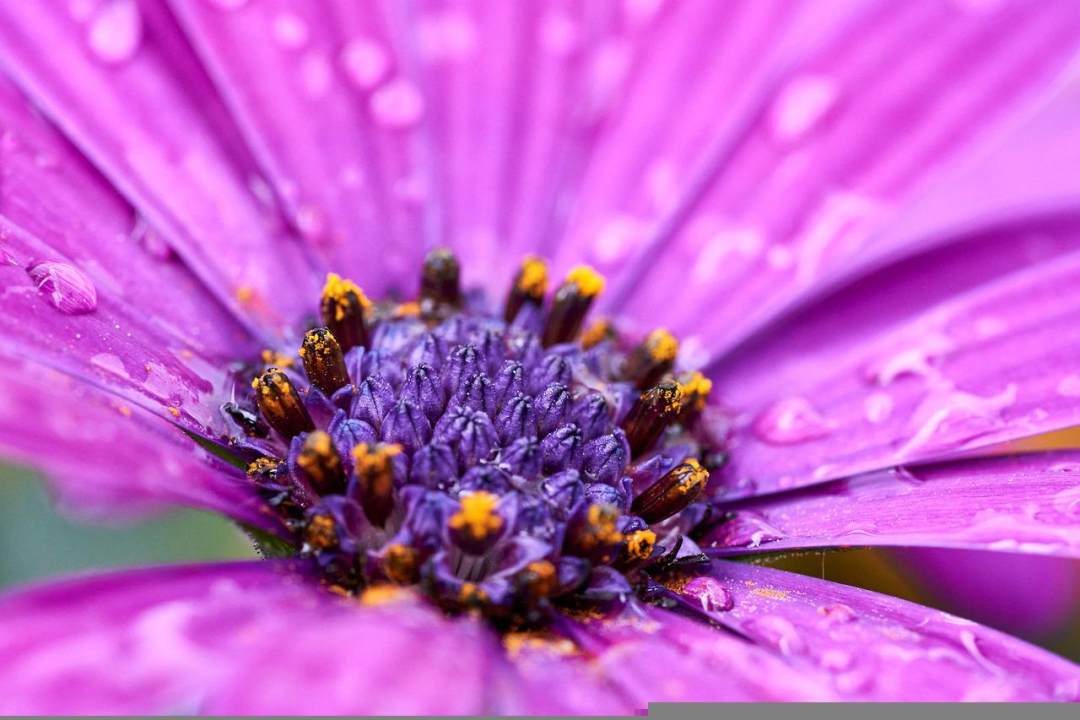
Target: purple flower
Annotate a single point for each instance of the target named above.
(831, 274)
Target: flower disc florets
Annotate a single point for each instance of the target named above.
(487, 456)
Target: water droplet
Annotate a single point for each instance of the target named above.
(878, 407)
(837, 614)
(1067, 502)
(778, 632)
(914, 361)
(66, 287)
(364, 62)
(397, 104)
(791, 421)
(290, 31)
(835, 660)
(114, 33)
(1069, 386)
(708, 591)
(802, 103)
(963, 415)
(746, 529)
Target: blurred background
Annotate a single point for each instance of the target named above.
(1037, 598)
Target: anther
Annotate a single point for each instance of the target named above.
(594, 532)
(248, 421)
(320, 533)
(672, 493)
(596, 333)
(343, 307)
(530, 286)
(320, 464)
(477, 524)
(539, 579)
(652, 359)
(695, 390)
(401, 564)
(639, 546)
(280, 404)
(650, 415)
(572, 302)
(375, 480)
(323, 361)
(440, 280)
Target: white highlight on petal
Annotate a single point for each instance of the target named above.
(365, 62)
(290, 31)
(115, 31)
(803, 101)
(397, 104)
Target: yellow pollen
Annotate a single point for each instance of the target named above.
(337, 290)
(596, 333)
(262, 464)
(407, 309)
(589, 282)
(383, 594)
(536, 640)
(477, 515)
(533, 279)
(602, 523)
(697, 478)
(662, 345)
(639, 544)
(695, 389)
(273, 357)
(400, 563)
(542, 577)
(175, 412)
(245, 294)
(320, 533)
(471, 593)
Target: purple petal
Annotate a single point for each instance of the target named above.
(241, 638)
(874, 647)
(843, 140)
(926, 362)
(122, 84)
(103, 457)
(307, 103)
(1027, 503)
(1038, 597)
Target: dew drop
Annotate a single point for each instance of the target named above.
(914, 361)
(878, 407)
(708, 591)
(837, 614)
(1067, 502)
(114, 33)
(397, 104)
(791, 421)
(290, 31)
(364, 62)
(1069, 386)
(66, 287)
(803, 101)
(778, 632)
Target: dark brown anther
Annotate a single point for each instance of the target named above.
(572, 302)
(530, 286)
(657, 408)
(440, 281)
(280, 404)
(594, 533)
(539, 579)
(375, 480)
(401, 564)
(319, 462)
(320, 533)
(248, 421)
(695, 389)
(652, 359)
(343, 308)
(600, 331)
(672, 493)
(323, 361)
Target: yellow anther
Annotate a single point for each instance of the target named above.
(640, 544)
(477, 516)
(532, 280)
(589, 282)
(400, 564)
(273, 357)
(471, 594)
(337, 290)
(320, 533)
(602, 528)
(695, 389)
(662, 345)
(597, 333)
(383, 594)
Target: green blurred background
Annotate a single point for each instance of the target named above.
(39, 543)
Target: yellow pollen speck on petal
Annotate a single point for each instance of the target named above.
(662, 345)
(245, 294)
(538, 641)
(640, 544)
(533, 278)
(175, 412)
(124, 410)
(477, 515)
(589, 282)
(770, 593)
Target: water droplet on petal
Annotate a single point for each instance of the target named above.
(837, 614)
(1069, 386)
(959, 415)
(66, 287)
(878, 407)
(114, 33)
(803, 101)
(790, 421)
(290, 31)
(397, 104)
(1067, 502)
(778, 632)
(712, 595)
(364, 62)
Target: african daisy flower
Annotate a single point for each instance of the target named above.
(504, 327)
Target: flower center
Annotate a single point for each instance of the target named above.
(506, 462)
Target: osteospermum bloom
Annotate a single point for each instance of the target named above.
(502, 326)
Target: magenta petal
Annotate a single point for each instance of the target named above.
(1026, 503)
(121, 83)
(103, 457)
(240, 638)
(828, 161)
(306, 83)
(874, 647)
(545, 679)
(926, 363)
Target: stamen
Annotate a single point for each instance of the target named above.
(401, 564)
(596, 333)
(440, 280)
(375, 480)
(321, 533)
(671, 493)
(248, 421)
(652, 359)
(639, 545)
(539, 579)
(594, 533)
(280, 404)
(343, 308)
(695, 389)
(324, 361)
(530, 286)
(477, 524)
(320, 464)
(572, 302)
(651, 414)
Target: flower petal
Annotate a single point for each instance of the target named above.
(308, 84)
(103, 457)
(874, 647)
(911, 365)
(1026, 503)
(176, 160)
(239, 638)
(845, 137)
